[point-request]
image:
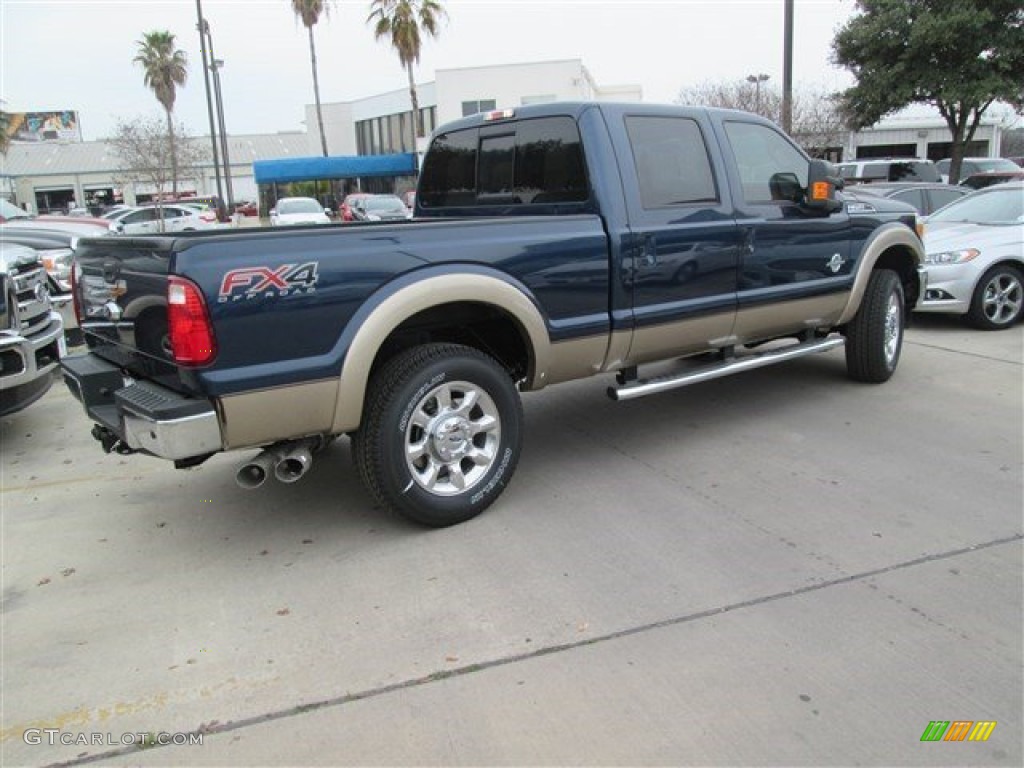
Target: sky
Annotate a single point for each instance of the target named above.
(77, 54)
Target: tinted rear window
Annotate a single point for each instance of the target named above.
(535, 161)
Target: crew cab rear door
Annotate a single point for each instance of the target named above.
(684, 239)
(796, 267)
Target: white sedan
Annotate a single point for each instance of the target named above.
(146, 220)
(291, 211)
(974, 252)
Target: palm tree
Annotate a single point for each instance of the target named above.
(165, 68)
(401, 22)
(309, 11)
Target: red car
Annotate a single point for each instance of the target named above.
(345, 209)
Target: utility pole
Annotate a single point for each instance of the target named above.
(202, 27)
(787, 68)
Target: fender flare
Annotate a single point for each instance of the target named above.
(886, 237)
(424, 293)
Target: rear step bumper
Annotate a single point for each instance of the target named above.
(727, 367)
(141, 415)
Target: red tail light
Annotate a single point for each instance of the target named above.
(190, 329)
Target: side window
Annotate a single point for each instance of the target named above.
(761, 153)
(140, 216)
(672, 163)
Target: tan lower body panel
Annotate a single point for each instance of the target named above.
(257, 418)
(679, 338)
(767, 321)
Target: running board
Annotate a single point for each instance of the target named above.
(642, 387)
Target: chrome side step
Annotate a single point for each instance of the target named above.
(642, 387)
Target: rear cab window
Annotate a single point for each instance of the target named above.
(520, 164)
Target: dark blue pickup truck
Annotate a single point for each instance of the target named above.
(549, 243)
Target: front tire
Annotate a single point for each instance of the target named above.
(998, 299)
(441, 433)
(874, 338)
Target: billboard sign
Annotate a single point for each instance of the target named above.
(58, 125)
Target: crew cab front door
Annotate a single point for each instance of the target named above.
(796, 267)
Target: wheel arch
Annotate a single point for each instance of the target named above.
(444, 307)
(893, 246)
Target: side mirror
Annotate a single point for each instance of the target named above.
(823, 180)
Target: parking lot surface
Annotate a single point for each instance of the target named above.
(780, 568)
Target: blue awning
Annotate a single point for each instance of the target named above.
(341, 167)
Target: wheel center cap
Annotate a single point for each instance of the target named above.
(450, 438)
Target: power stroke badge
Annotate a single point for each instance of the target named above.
(250, 283)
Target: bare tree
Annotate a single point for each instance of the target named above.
(818, 123)
(148, 156)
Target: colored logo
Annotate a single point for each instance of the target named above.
(958, 730)
(255, 282)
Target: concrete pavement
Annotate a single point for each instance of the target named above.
(783, 567)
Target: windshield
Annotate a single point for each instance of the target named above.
(384, 205)
(299, 205)
(9, 210)
(997, 206)
(995, 164)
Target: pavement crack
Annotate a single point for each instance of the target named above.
(468, 669)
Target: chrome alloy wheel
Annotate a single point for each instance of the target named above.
(1002, 298)
(893, 328)
(452, 438)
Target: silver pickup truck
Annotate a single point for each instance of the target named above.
(31, 332)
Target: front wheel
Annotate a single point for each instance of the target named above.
(441, 433)
(998, 299)
(874, 337)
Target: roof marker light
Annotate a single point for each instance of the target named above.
(499, 114)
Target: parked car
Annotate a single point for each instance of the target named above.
(31, 333)
(924, 196)
(146, 219)
(889, 169)
(972, 165)
(345, 209)
(975, 257)
(380, 208)
(210, 203)
(292, 211)
(247, 209)
(991, 178)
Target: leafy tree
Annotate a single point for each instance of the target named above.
(164, 69)
(401, 22)
(957, 56)
(818, 123)
(148, 157)
(309, 11)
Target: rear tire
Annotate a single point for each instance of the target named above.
(874, 338)
(441, 433)
(998, 299)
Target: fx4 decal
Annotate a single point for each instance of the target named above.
(263, 282)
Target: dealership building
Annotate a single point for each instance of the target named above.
(371, 141)
(50, 175)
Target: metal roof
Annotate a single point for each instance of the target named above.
(62, 159)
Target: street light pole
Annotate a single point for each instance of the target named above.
(216, 66)
(757, 80)
(787, 68)
(202, 27)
